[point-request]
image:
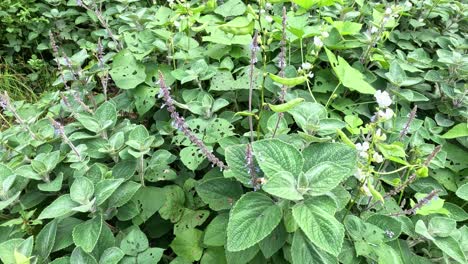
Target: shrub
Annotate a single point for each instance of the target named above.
(271, 132)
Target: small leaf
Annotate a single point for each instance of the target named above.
(187, 244)
(60, 207)
(86, 234)
(82, 190)
(462, 192)
(134, 242)
(111, 255)
(45, 240)
(460, 130)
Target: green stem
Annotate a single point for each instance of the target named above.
(331, 96)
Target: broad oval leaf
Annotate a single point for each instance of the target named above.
(86, 234)
(319, 226)
(251, 219)
(284, 185)
(274, 155)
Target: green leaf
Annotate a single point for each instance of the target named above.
(214, 255)
(219, 193)
(251, 219)
(4, 204)
(81, 190)
(290, 82)
(106, 114)
(149, 200)
(191, 157)
(451, 247)
(7, 248)
(231, 8)
(347, 27)
(274, 241)
(187, 244)
(303, 251)
(60, 207)
(151, 255)
(319, 226)
(286, 106)
(191, 219)
(462, 192)
(325, 176)
(441, 226)
(307, 115)
(105, 188)
(126, 72)
(274, 155)
(284, 185)
(306, 4)
(391, 150)
(235, 159)
(134, 242)
(53, 186)
(123, 193)
(460, 130)
(338, 153)
(173, 206)
(45, 240)
(215, 232)
(238, 26)
(111, 255)
(79, 256)
(86, 234)
(349, 76)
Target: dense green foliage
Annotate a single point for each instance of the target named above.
(271, 131)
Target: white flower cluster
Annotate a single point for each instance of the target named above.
(384, 100)
(363, 148)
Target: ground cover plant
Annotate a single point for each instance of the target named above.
(234, 132)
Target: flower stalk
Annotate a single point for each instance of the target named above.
(179, 123)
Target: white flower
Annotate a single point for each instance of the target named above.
(306, 66)
(385, 20)
(170, 2)
(268, 6)
(269, 19)
(388, 11)
(383, 98)
(362, 146)
(386, 115)
(373, 30)
(359, 175)
(262, 11)
(366, 190)
(364, 155)
(325, 34)
(310, 75)
(408, 4)
(177, 24)
(379, 136)
(377, 157)
(318, 42)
